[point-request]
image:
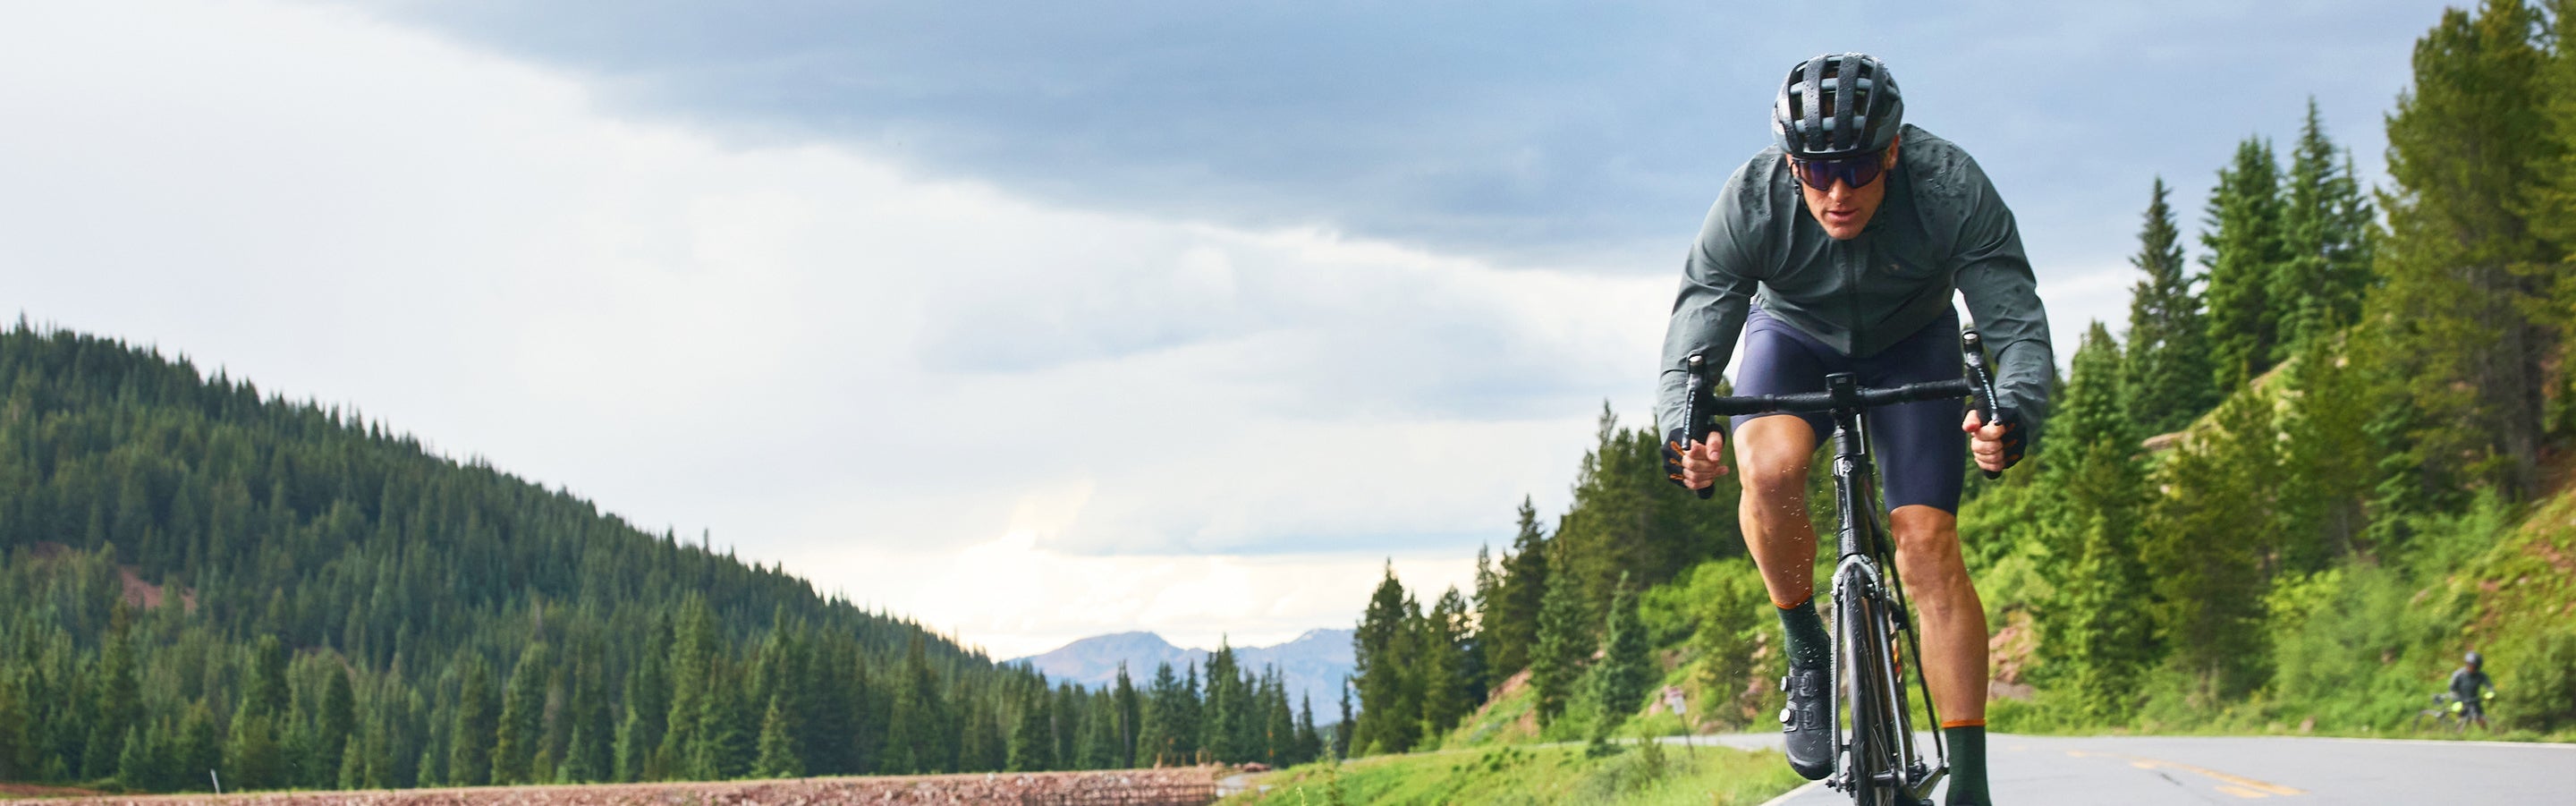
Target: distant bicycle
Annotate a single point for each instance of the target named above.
(2448, 714)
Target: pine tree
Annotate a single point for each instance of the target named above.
(2327, 243)
(1033, 740)
(339, 720)
(1627, 667)
(2546, 289)
(254, 749)
(199, 748)
(17, 746)
(1564, 647)
(729, 728)
(2464, 307)
(587, 745)
(694, 686)
(137, 765)
(2099, 637)
(522, 718)
(2327, 457)
(778, 758)
(647, 707)
(1193, 721)
(1512, 623)
(477, 722)
(1342, 730)
(1099, 734)
(1130, 714)
(1159, 744)
(1384, 650)
(119, 698)
(1310, 742)
(2246, 250)
(920, 710)
(1441, 665)
(2207, 538)
(984, 745)
(2167, 365)
(1227, 715)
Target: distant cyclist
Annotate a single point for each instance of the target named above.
(1837, 250)
(2469, 686)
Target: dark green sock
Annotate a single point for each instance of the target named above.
(1808, 646)
(1967, 765)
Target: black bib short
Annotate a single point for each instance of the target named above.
(1921, 451)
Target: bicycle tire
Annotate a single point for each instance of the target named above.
(1875, 774)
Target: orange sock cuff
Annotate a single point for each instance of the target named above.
(1962, 723)
(1793, 606)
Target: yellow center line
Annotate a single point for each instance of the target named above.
(2236, 782)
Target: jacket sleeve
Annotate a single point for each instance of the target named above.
(2002, 295)
(1716, 293)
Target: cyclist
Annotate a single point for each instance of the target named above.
(1838, 250)
(2469, 686)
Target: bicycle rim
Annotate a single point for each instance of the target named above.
(1874, 770)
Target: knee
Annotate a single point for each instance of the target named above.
(1930, 547)
(1772, 467)
(1927, 543)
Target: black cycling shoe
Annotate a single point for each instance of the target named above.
(1808, 723)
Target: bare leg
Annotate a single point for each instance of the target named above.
(1772, 454)
(1954, 620)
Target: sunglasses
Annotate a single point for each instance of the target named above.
(1857, 172)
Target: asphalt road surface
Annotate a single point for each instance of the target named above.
(2157, 770)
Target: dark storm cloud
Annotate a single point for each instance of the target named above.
(1528, 133)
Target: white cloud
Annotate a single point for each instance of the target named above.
(1020, 422)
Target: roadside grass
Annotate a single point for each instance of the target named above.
(1631, 775)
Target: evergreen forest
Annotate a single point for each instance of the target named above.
(2313, 468)
(205, 586)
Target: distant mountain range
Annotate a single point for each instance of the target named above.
(1313, 664)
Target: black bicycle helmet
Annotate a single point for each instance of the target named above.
(2476, 660)
(1837, 106)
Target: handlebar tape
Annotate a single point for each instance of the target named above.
(1972, 351)
(1701, 423)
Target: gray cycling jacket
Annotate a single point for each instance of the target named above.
(1941, 229)
(2468, 685)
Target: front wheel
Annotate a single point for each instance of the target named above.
(1874, 772)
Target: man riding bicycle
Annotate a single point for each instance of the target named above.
(1837, 250)
(2469, 685)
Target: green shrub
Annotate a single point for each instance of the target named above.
(2543, 697)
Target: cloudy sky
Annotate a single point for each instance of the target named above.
(1042, 320)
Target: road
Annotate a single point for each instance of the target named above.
(2158, 770)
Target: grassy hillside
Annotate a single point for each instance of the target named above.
(1635, 775)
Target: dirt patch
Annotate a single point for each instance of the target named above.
(1519, 680)
(1186, 786)
(1525, 725)
(2009, 652)
(136, 594)
(145, 595)
(9, 790)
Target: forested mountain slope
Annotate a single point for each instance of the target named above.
(198, 578)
